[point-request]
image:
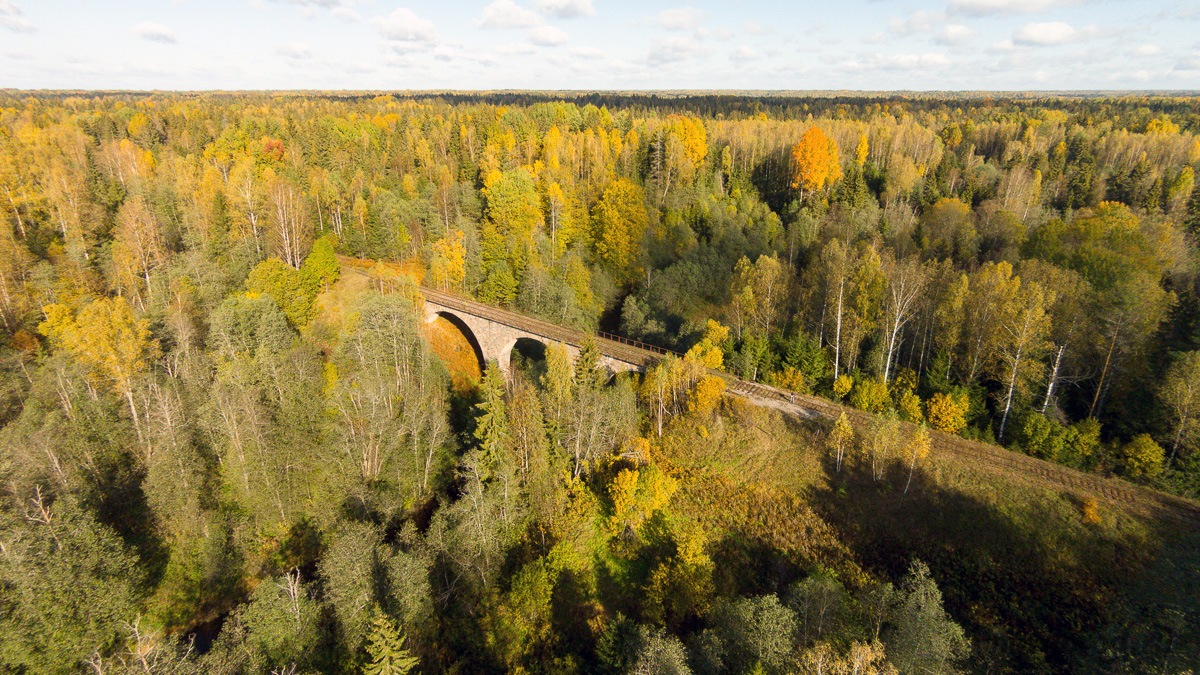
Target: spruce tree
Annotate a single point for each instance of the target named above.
(1192, 221)
(385, 647)
(491, 428)
(589, 376)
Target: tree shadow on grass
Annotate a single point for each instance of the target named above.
(1028, 585)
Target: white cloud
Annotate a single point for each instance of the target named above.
(548, 36)
(507, 14)
(743, 54)
(753, 28)
(293, 50)
(587, 53)
(565, 9)
(10, 18)
(1146, 50)
(985, 7)
(917, 22)
(516, 50)
(154, 32)
(404, 27)
(352, 67)
(1052, 33)
(954, 34)
(879, 61)
(1189, 64)
(346, 14)
(17, 24)
(316, 3)
(672, 49)
(876, 38)
(685, 18)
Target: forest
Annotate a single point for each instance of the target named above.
(231, 443)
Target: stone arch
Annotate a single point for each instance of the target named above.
(523, 343)
(466, 331)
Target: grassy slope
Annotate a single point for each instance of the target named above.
(1038, 584)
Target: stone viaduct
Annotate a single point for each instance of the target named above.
(494, 332)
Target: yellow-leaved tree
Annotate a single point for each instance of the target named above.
(693, 141)
(1141, 457)
(947, 413)
(705, 395)
(861, 152)
(909, 407)
(109, 339)
(871, 395)
(842, 386)
(447, 262)
(707, 352)
(636, 494)
(916, 449)
(841, 439)
(619, 222)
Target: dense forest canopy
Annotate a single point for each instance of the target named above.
(230, 443)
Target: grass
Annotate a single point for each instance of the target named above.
(1043, 579)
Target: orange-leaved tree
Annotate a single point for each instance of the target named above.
(814, 163)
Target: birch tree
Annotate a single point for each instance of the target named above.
(1024, 328)
(138, 249)
(1069, 319)
(991, 293)
(836, 267)
(106, 336)
(292, 232)
(905, 283)
(1181, 394)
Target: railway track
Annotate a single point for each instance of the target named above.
(980, 455)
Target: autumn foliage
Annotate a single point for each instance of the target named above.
(815, 163)
(223, 409)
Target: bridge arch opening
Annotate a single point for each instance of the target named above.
(528, 356)
(448, 321)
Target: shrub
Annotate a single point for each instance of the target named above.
(842, 386)
(909, 405)
(871, 395)
(1141, 457)
(947, 413)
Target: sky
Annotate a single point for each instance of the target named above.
(866, 45)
